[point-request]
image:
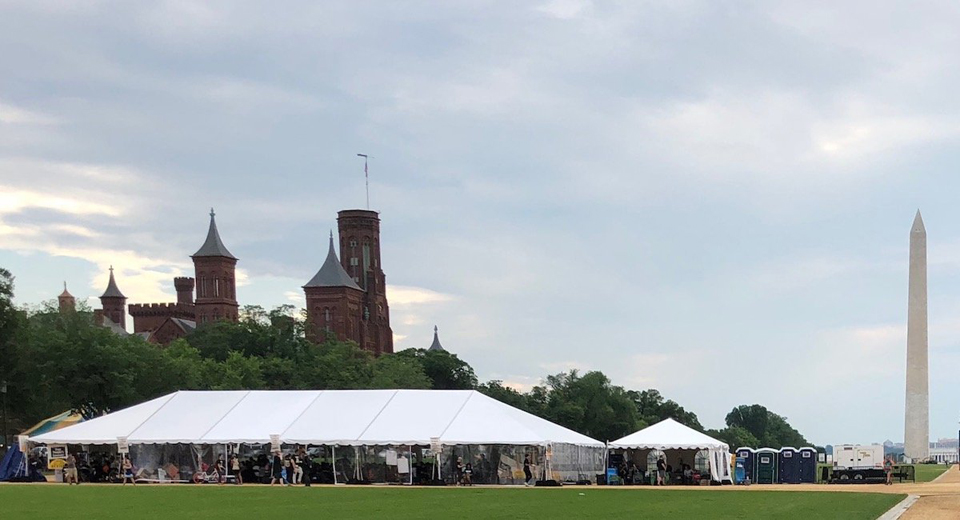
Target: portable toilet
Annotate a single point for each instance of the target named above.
(788, 465)
(808, 465)
(766, 467)
(749, 464)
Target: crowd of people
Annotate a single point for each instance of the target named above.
(296, 467)
(683, 474)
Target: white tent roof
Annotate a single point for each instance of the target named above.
(345, 417)
(669, 435)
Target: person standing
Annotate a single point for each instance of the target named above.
(458, 471)
(70, 470)
(527, 472)
(127, 470)
(888, 470)
(235, 468)
(295, 469)
(220, 469)
(661, 471)
(276, 469)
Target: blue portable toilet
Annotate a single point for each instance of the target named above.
(749, 464)
(766, 467)
(808, 466)
(788, 465)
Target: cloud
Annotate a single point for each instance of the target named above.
(12, 115)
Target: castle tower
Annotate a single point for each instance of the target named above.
(916, 437)
(360, 257)
(216, 278)
(66, 300)
(334, 302)
(114, 302)
(436, 340)
(184, 287)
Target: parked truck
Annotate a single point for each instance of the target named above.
(858, 464)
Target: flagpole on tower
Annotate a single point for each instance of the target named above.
(366, 176)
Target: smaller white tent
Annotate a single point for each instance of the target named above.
(668, 436)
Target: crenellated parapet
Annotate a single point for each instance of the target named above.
(174, 310)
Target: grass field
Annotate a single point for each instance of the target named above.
(928, 472)
(228, 502)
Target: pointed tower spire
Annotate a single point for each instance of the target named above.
(436, 340)
(331, 273)
(66, 300)
(112, 290)
(213, 246)
(918, 226)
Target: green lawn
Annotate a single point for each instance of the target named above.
(928, 472)
(229, 502)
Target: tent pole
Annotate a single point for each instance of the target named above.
(410, 462)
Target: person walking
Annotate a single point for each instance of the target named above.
(235, 468)
(276, 469)
(888, 470)
(661, 471)
(527, 472)
(127, 469)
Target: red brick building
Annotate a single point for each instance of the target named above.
(348, 297)
(215, 270)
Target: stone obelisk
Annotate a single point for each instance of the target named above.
(916, 435)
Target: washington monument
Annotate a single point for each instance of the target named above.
(916, 435)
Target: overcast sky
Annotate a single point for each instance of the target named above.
(709, 198)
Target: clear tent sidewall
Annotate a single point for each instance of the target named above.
(491, 463)
(717, 459)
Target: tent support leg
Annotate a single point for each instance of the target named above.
(333, 454)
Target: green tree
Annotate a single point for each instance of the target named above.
(398, 372)
(769, 429)
(446, 371)
(653, 408)
(505, 394)
(590, 404)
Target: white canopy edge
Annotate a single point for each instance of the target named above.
(668, 434)
(371, 417)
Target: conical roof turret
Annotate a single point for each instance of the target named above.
(436, 340)
(331, 273)
(112, 290)
(65, 293)
(213, 246)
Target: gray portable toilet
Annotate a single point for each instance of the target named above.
(788, 465)
(749, 464)
(808, 465)
(766, 465)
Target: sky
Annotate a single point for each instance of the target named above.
(709, 198)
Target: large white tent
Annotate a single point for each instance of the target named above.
(464, 422)
(321, 417)
(671, 436)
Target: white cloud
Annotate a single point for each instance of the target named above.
(13, 115)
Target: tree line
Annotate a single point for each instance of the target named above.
(54, 361)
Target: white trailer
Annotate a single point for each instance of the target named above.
(858, 462)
